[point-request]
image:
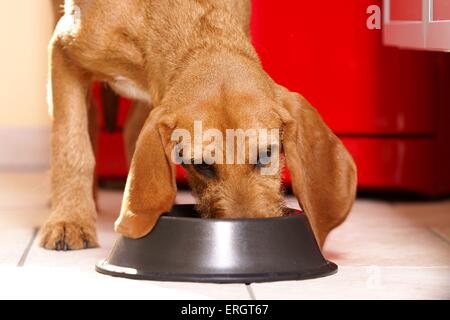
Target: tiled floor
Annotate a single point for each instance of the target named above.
(385, 250)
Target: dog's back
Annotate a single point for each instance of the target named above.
(241, 8)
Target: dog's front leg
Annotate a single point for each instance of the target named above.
(71, 224)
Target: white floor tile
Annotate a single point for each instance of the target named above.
(390, 234)
(13, 243)
(70, 283)
(409, 242)
(443, 232)
(24, 190)
(427, 213)
(23, 218)
(364, 283)
(386, 246)
(83, 260)
(78, 268)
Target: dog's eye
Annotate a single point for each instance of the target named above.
(264, 158)
(205, 169)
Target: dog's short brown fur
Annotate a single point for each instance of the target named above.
(195, 60)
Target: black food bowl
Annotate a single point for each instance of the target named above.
(184, 247)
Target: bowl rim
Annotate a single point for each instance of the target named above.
(326, 269)
(295, 213)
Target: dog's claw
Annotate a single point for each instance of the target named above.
(68, 236)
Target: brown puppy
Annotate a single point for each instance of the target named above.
(193, 59)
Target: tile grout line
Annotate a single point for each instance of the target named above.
(438, 235)
(250, 291)
(24, 256)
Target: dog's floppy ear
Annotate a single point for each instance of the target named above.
(323, 172)
(151, 187)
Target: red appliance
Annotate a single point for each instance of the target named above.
(390, 107)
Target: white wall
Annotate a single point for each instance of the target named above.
(25, 29)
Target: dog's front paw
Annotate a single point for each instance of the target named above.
(61, 234)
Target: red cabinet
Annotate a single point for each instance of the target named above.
(326, 53)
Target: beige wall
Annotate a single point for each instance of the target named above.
(25, 29)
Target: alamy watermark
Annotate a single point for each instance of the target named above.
(373, 22)
(258, 147)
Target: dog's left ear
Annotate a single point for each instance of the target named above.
(323, 172)
(151, 186)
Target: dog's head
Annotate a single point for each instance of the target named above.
(203, 129)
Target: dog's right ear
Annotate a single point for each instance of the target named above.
(151, 187)
(322, 170)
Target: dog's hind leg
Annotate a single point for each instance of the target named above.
(93, 135)
(71, 224)
(133, 126)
